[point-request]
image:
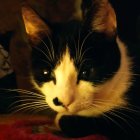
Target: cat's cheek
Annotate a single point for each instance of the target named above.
(58, 117)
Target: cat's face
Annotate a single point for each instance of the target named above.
(82, 69)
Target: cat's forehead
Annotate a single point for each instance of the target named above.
(86, 48)
(78, 40)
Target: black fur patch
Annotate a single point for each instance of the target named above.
(98, 52)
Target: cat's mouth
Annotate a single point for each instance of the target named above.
(66, 107)
(72, 109)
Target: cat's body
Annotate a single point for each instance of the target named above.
(86, 73)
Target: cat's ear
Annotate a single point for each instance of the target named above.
(35, 26)
(100, 15)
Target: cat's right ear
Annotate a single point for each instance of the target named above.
(35, 26)
(99, 16)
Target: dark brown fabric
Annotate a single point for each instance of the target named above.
(54, 10)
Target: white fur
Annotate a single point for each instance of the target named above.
(84, 98)
(110, 94)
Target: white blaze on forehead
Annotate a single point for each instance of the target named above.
(66, 78)
(66, 72)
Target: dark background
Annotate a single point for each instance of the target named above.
(128, 17)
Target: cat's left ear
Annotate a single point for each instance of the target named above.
(35, 26)
(100, 16)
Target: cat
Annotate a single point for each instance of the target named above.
(85, 72)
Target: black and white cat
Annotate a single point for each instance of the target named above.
(85, 72)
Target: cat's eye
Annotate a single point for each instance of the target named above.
(45, 72)
(48, 75)
(87, 74)
(84, 74)
(44, 75)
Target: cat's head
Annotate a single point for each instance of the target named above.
(80, 65)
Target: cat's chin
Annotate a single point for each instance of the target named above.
(65, 110)
(71, 111)
(88, 113)
(82, 111)
(77, 109)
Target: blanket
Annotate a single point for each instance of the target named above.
(36, 129)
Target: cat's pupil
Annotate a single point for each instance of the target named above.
(46, 72)
(86, 74)
(48, 75)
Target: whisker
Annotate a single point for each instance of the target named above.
(40, 108)
(49, 52)
(75, 58)
(82, 62)
(106, 116)
(43, 53)
(24, 92)
(126, 108)
(82, 55)
(31, 96)
(126, 116)
(23, 100)
(82, 45)
(136, 107)
(28, 105)
(47, 62)
(118, 116)
(52, 47)
(115, 122)
(131, 110)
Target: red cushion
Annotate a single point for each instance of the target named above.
(26, 130)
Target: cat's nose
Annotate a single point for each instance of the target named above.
(57, 102)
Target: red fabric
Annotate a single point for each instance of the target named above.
(23, 130)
